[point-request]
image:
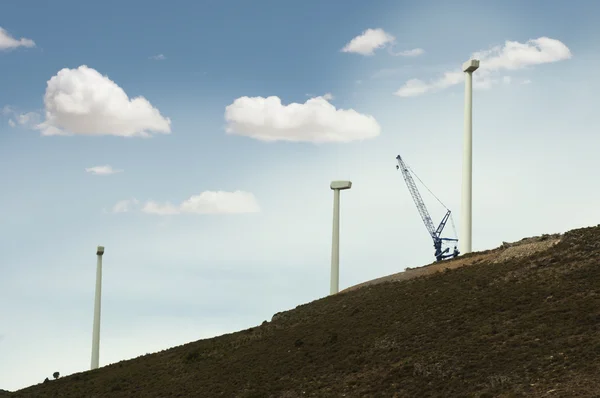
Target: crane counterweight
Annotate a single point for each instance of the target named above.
(441, 253)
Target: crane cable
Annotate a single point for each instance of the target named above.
(432, 194)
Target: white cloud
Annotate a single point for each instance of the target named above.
(102, 170)
(208, 202)
(316, 120)
(526, 81)
(506, 79)
(158, 57)
(372, 39)
(369, 41)
(82, 101)
(414, 87)
(164, 209)
(7, 42)
(28, 119)
(515, 55)
(327, 96)
(124, 206)
(415, 52)
(512, 56)
(7, 110)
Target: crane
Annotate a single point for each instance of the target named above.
(435, 233)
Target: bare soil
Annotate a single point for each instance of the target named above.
(506, 251)
(521, 320)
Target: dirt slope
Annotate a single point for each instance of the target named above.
(524, 247)
(506, 325)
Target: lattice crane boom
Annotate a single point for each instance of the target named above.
(435, 233)
(414, 192)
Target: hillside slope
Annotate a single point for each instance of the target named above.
(524, 325)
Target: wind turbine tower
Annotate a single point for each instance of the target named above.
(97, 303)
(466, 222)
(336, 186)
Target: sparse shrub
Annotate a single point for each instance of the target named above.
(498, 381)
(435, 370)
(117, 387)
(192, 356)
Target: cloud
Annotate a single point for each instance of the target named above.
(369, 41)
(158, 57)
(327, 96)
(28, 119)
(515, 55)
(316, 120)
(373, 39)
(208, 202)
(124, 206)
(165, 209)
(526, 81)
(415, 52)
(102, 170)
(414, 87)
(83, 102)
(512, 56)
(7, 42)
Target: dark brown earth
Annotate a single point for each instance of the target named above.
(514, 321)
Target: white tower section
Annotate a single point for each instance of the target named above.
(337, 186)
(466, 222)
(97, 303)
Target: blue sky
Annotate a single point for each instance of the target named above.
(174, 278)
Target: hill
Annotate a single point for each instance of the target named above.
(514, 321)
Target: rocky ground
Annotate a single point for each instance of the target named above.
(519, 320)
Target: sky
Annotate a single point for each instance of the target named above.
(197, 143)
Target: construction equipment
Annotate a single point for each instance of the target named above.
(441, 253)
